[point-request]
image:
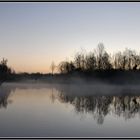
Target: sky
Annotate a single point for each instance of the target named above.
(32, 35)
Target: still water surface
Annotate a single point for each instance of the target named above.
(43, 110)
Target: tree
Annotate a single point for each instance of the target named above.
(90, 62)
(52, 67)
(136, 62)
(126, 60)
(102, 57)
(63, 68)
(106, 65)
(66, 67)
(79, 60)
(5, 71)
(129, 58)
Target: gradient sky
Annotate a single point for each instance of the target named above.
(32, 35)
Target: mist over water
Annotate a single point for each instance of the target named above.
(79, 86)
(69, 110)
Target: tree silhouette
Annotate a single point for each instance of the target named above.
(99, 60)
(99, 55)
(5, 71)
(90, 62)
(100, 106)
(66, 67)
(52, 67)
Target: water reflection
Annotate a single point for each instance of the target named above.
(101, 106)
(4, 94)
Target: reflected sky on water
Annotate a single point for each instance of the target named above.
(41, 110)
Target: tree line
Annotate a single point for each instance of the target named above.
(100, 59)
(97, 60)
(5, 71)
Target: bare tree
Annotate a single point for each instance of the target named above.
(102, 57)
(63, 67)
(52, 67)
(101, 60)
(106, 65)
(119, 61)
(90, 62)
(66, 67)
(99, 54)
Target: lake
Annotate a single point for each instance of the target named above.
(53, 110)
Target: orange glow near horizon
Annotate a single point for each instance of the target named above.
(35, 34)
(32, 68)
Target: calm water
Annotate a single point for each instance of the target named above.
(42, 110)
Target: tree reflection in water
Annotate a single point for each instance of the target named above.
(4, 94)
(100, 106)
(126, 106)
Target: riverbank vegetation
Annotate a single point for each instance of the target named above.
(98, 65)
